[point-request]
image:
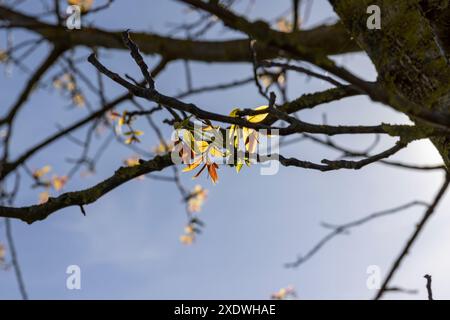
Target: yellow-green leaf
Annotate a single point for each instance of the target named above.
(193, 165)
(201, 146)
(216, 152)
(234, 112)
(258, 117)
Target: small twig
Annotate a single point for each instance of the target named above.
(366, 153)
(430, 292)
(300, 69)
(82, 210)
(134, 51)
(255, 66)
(401, 290)
(14, 260)
(328, 165)
(296, 20)
(341, 229)
(361, 163)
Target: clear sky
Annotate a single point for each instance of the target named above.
(128, 246)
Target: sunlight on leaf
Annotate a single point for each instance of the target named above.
(234, 112)
(204, 144)
(121, 118)
(251, 140)
(135, 132)
(131, 139)
(259, 117)
(239, 166)
(194, 152)
(201, 146)
(215, 152)
(193, 165)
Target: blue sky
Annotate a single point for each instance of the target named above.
(128, 247)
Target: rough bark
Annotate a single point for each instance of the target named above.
(410, 52)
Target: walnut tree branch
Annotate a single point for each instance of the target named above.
(408, 245)
(83, 197)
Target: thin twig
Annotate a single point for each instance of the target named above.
(341, 229)
(15, 260)
(430, 292)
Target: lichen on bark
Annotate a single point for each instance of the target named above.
(408, 52)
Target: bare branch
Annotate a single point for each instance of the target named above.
(79, 198)
(344, 228)
(46, 64)
(328, 165)
(419, 228)
(15, 260)
(329, 39)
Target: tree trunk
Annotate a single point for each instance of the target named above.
(410, 52)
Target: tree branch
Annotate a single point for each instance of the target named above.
(79, 198)
(343, 228)
(296, 126)
(15, 260)
(328, 165)
(330, 40)
(419, 228)
(31, 83)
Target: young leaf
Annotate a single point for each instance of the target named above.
(258, 117)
